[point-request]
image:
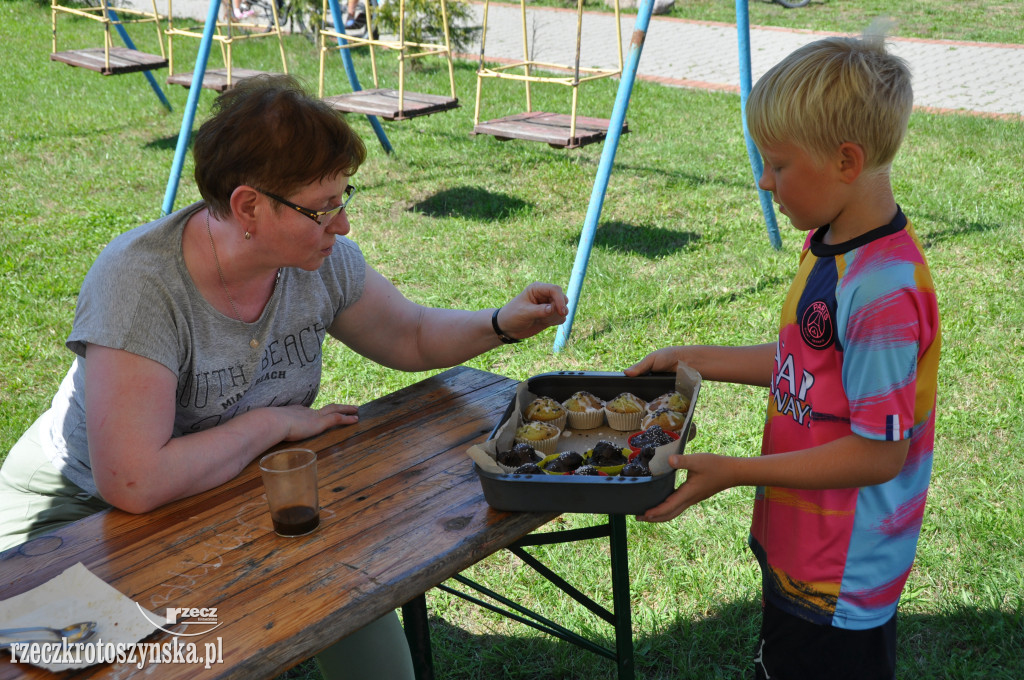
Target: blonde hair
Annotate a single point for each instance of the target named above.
(833, 91)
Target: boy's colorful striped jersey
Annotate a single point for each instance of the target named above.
(858, 352)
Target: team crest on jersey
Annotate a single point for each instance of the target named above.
(817, 326)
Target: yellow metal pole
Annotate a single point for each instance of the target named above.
(526, 56)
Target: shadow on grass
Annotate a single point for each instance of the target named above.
(649, 242)
(169, 143)
(963, 643)
(954, 230)
(717, 646)
(471, 203)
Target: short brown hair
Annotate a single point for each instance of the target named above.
(268, 133)
(833, 91)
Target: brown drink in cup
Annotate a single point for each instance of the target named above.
(289, 476)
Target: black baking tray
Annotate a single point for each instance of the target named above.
(567, 493)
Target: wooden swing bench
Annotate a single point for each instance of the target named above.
(109, 60)
(388, 103)
(558, 130)
(228, 32)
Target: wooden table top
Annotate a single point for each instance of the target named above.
(402, 510)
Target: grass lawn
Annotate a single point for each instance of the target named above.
(680, 256)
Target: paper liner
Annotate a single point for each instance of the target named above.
(544, 446)
(624, 422)
(586, 420)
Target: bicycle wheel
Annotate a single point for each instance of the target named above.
(793, 3)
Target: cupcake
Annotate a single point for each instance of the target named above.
(546, 410)
(541, 436)
(528, 469)
(673, 401)
(589, 471)
(635, 468)
(562, 463)
(585, 411)
(652, 437)
(625, 411)
(606, 454)
(667, 420)
(519, 455)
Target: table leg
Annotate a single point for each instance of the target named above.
(620, 597)
(417, 632)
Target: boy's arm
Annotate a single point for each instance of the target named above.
(749, 365)
(847, 462)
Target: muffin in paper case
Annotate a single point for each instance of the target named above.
(543, 437)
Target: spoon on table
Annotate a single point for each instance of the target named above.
(76, 632)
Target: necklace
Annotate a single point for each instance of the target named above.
(254, 343)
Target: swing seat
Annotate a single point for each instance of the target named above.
(554, 129)
(227, 32)
(384, 103)
(109, 60)
(122, 60)
(560, 131)
(215, 79)
(387, 103)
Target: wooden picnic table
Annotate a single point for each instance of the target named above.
(402, 510)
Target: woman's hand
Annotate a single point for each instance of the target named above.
(539, 306)
(706, 475)
(302, 422)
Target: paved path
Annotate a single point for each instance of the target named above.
(981, 78)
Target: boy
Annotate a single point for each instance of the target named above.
(847, 446)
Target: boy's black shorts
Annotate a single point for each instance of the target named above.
(792, 648)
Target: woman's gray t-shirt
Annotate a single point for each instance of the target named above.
(139, 297)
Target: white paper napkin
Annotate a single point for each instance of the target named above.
(79, 595)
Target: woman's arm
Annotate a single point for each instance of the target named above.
(136, 463)
(385, 326)
(749, 365)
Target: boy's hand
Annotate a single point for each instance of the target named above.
(706, 475)
(663, 360)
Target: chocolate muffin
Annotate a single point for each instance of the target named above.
(567, 461)
(606, 454)
(635, 468)
(520, 454)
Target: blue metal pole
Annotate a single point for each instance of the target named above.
(353, 78)
(743, 35)
(112, 15)
(604, 170)
(190, 106)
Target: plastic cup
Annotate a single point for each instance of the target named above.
(289, 477)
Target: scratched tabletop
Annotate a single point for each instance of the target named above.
(401, 511)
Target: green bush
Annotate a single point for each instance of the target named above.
(424, 24)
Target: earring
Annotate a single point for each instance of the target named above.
(248, 236)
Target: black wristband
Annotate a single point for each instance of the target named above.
(505, 338)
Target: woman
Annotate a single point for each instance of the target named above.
(199, 336)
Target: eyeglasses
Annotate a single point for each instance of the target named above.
(321, 217)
